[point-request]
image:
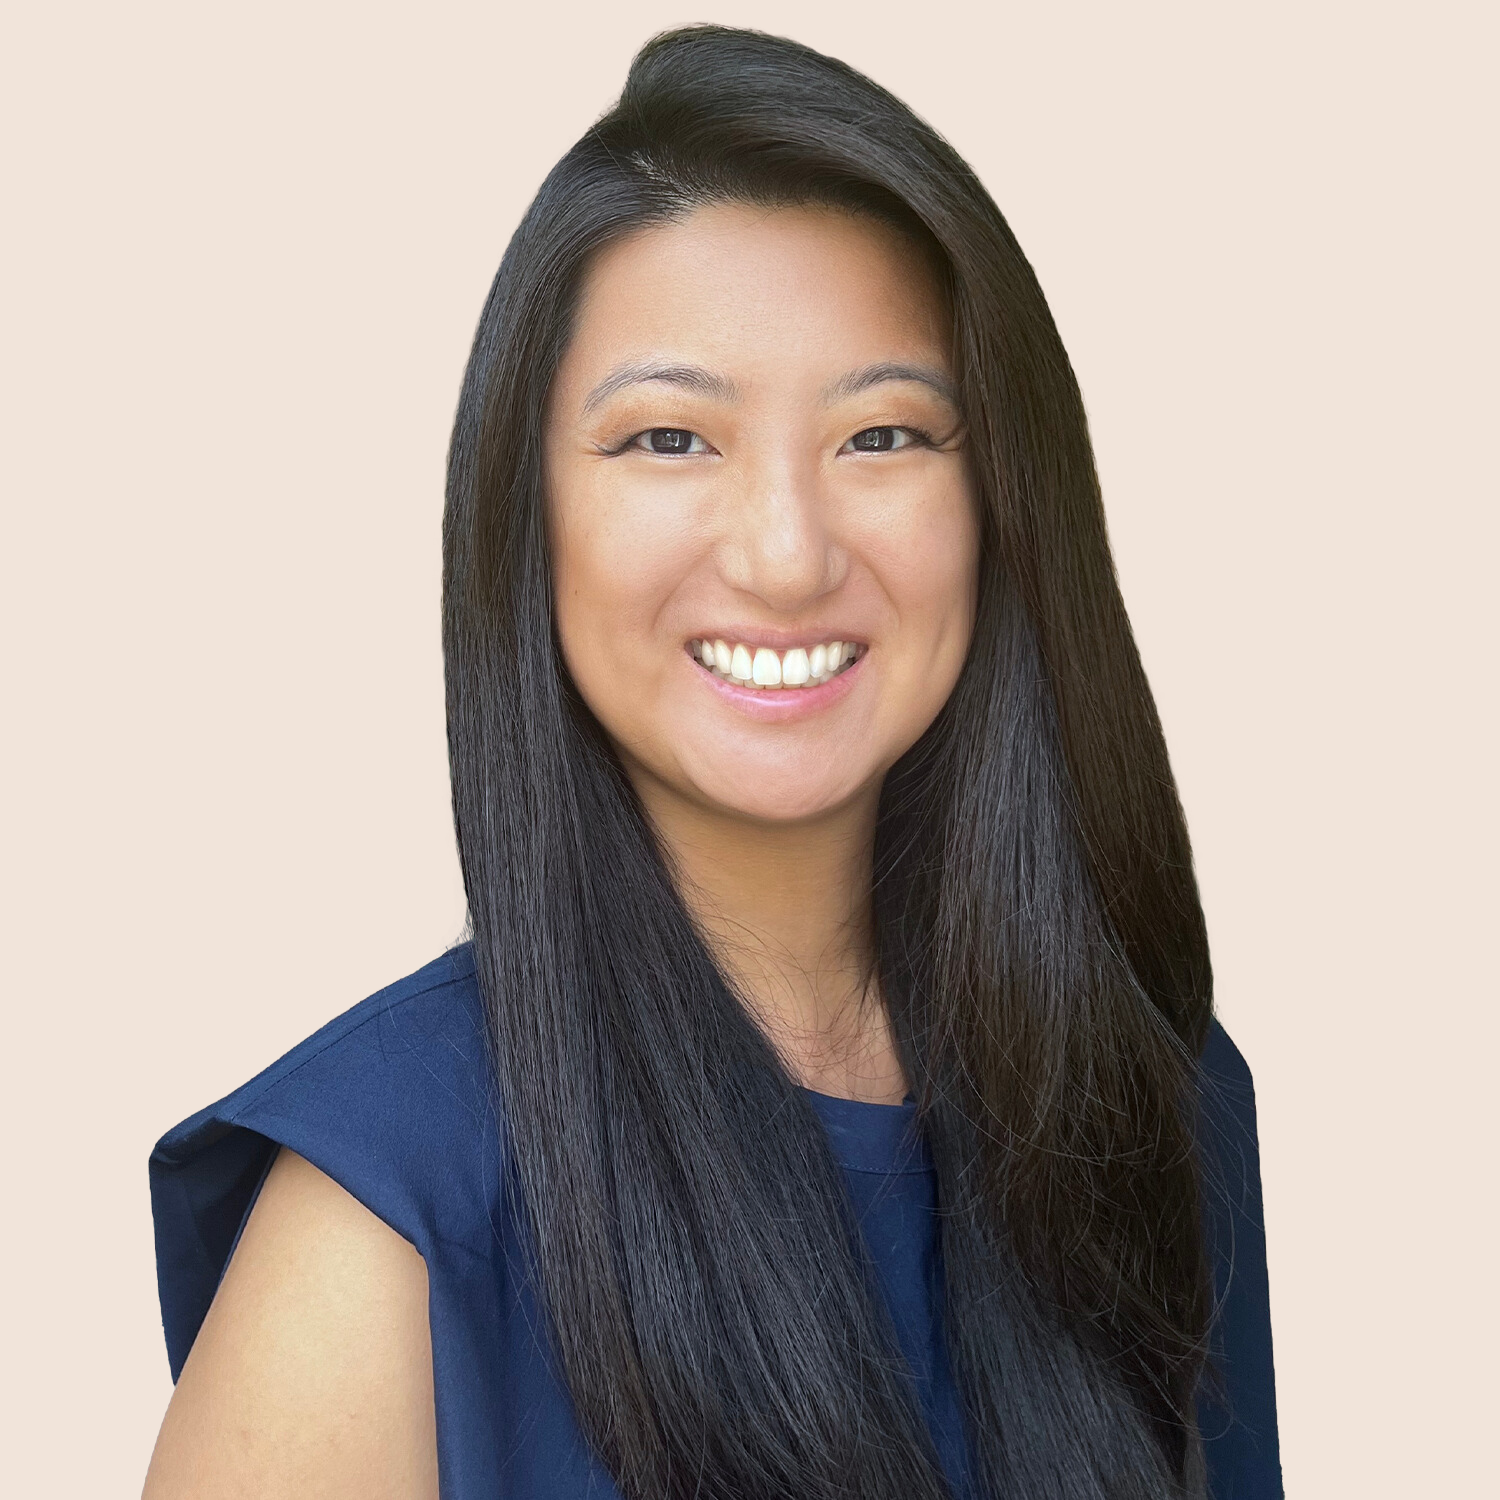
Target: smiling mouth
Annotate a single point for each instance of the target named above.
(760, 667)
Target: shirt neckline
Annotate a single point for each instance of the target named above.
(867, 1137)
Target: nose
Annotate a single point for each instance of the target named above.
(777, 543)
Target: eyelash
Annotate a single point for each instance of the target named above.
(919, 438)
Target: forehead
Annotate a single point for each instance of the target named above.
(733, 284)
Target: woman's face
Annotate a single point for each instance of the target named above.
(764, 537)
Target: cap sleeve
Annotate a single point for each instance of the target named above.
(392, 1100)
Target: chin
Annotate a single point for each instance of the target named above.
(780, 796)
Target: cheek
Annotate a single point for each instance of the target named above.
(618, 560)
(927, 559)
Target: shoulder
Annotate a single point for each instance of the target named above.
(1237, 1414)
(392, 1101)
(1222, 1060)
(388, 1076)
(1228, 1135)
(1228, 1145)
(425, 1030)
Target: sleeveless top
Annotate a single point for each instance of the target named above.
(394, 1100)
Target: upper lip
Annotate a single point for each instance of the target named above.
(777, 639)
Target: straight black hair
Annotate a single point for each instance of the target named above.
(1040, 941)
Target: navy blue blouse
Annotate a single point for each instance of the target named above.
(394, 1101)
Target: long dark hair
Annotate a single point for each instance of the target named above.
(1041, 945)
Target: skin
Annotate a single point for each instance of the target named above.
(312, 1374)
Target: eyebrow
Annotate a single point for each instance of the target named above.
(721, 388)
(687, 377)
(861, 380)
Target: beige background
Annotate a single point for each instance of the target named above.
(246, 250)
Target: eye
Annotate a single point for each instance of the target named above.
(668, 442)
(884, 440)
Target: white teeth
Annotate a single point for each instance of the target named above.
(760, 667)
(766, 668)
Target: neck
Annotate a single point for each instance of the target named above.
(786, 910)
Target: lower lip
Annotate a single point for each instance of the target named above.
(781, 705)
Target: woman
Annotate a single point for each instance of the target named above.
(828, 1103)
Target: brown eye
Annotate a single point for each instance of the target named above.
(670, 441)
(881, 440)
